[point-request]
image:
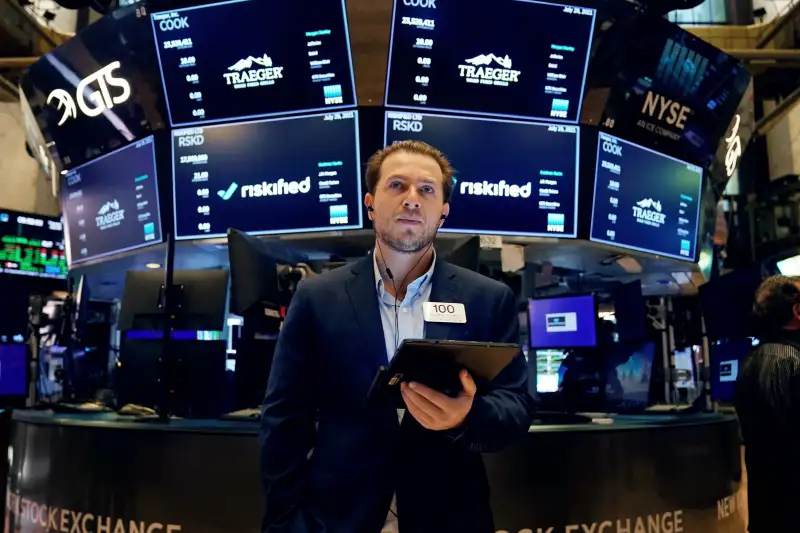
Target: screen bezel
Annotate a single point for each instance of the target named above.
(66, 222)
(690, 258)
(596, 307)
(237, 119)
(349, 227)
(582, 88)
(577, 180)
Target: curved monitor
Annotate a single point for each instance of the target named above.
(251, 58)
(110, 205)
(644, 200)
(506, 58)
(289, 175)
(512, 178)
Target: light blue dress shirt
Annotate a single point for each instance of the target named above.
(410, 321)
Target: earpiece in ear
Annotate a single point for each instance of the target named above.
(370, 209)
(443, 217)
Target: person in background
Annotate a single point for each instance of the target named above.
(330, 464)
(768, 405)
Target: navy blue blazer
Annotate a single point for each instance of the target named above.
(330, 464)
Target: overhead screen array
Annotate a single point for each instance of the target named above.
(249, 58)
(510, 99)
(485, 57)
(272, 176)
(111, 204)
(644, 200)
(513, 178)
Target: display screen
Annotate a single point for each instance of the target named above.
(644, 200)
(663, 87)
(32, 245)
(13, 370)
(250, 58)
(512, 178)
(725, 361)
(110, 205)
(549, 371)
(485, 57)
(98, 91)
(684, 367)
(567, 322)
(287, 175)
(629, 375)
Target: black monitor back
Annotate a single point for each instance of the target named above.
(202, 300)
(254, 272)
(468, 255)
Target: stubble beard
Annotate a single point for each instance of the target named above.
(410, 245)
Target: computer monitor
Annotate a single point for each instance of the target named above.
(549, 370)
(254, 272)
(468, 255)
(629, 310)
(630, 370)
(202, 298)
(564, 322)
(684, 367)
(13, 370)
(725, 360)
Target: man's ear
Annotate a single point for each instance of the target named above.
(369, 200)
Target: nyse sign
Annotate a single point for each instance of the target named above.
(92, 102)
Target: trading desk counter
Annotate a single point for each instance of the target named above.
(111, 474)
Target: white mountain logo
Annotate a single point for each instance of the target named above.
(108, 206)
(649, 203)
(109, 215)
(253, 72)
(484, 59)
(245, 64)
(648, 211)
(489, 69)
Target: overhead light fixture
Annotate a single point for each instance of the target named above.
(153, 265)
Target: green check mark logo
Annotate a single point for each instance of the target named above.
(226, 195)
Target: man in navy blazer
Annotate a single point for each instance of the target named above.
(330, 464)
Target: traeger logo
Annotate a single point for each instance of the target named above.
(487, 188)
(98, 100)
(669, 111)
(479, 70)
(648, 211)
(110, 215)
(243, 74)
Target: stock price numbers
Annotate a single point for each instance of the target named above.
(610, 233)
(178, 43)
(421, 98)
(194, 159)
(424, 61)
(204, 210)
(204, 226)
(188, 61)
(199, 113)
(612, 217)
(423, 43)
(197, 95)
(200, 176)
(614, 201)
(203, 193)
(193, 78)
(422, 80)
(420, 23)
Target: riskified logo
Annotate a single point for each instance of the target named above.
(253, 72)
(110, 215)
(487, 188)
(259, 190)
(489, 69)
(648, 211)
(100, 99)
(226, 194)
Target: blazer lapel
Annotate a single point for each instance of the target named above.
(444, 288)
(364, 301)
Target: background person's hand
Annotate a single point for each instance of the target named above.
(437, 411)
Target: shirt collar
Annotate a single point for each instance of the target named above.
(414, 288)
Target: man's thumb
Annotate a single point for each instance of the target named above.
(467, 383)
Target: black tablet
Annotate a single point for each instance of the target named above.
(437, 363)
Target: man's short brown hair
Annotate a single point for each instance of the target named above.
(775, 301)
(413, 147)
